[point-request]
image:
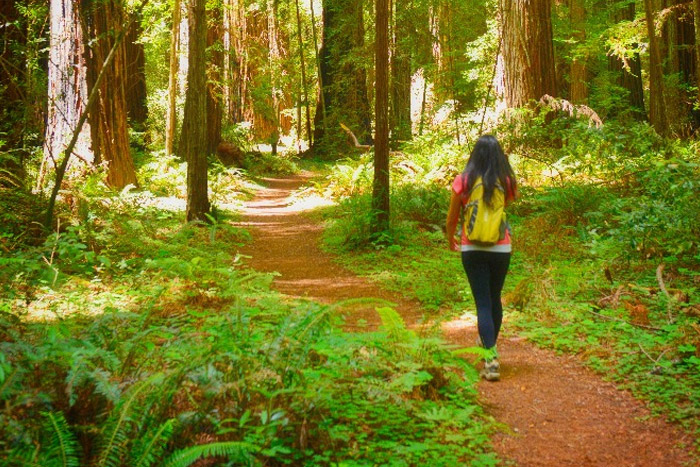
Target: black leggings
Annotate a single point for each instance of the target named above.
(486, 272)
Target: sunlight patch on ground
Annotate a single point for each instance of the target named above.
(464, 322)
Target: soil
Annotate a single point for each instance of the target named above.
(554, 411)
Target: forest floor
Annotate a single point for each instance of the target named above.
(553, 410)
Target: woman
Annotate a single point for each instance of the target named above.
(486, 265)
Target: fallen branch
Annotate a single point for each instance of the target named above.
(620, 320)
(662, 286)
(366, 147)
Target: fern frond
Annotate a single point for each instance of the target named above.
(391, 320)
(63, 447)
(115, 430)
(152, 447)
(233, 450)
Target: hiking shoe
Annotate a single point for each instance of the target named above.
(491, 371)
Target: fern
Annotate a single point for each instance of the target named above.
(150, 448)
(391, 320)
(116, 427)
(63, 447)
(234, 450)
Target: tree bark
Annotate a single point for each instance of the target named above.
(304, 84)
(678, 34)
(214, 94)
(171, 119)
(137, 110)
(108, 118)
(193, 144)
(401, 75)
(579, 73)
(274, 57)
(380, 192)
(343, 79)
(657, 106)
(528, 52)
(67, 87)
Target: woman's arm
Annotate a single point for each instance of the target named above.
(453, 220)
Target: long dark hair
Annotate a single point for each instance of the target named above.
(489, 162)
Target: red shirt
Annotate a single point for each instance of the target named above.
(459, 185)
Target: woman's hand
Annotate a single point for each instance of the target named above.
(453, 245)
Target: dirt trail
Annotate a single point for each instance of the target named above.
(559, 412)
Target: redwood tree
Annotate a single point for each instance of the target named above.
(67, 87)
(528, 52)
(193, 139)
(135, 89)
(579, 74)
(401, 74)
(343, 79)
(215, 110)
(105, 21)
(380, 192)
(657, 106)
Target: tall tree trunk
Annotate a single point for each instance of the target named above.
(274, 57)
(171, 120)
(401, 74)
(108, 119)
(678, 35)
(137, 109)
(657, 106)
(67, 90)
(193, 144)
(579, 74)
(528, 52)
(343, 79)
(380, 192)
(304, 84)
(321, 107)
(628, 72)
(214, 94)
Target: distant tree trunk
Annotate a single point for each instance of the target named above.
(216, 56)
(579, 74)
(171, 118)
(193, 138)
(401, 74)
(628, 72)
(67, 90)
(137, 110)
(380, 192)
(657, 106)
(274, 57)
(108, 118)
(343, 79)
(528, 52)
(321, 107)
(678, 35)
(304, 83)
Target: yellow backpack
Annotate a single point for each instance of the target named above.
(485, 225)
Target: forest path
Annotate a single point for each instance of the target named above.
(558, 412)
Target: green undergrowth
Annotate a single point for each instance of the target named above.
(131, 338)
(606, 261)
